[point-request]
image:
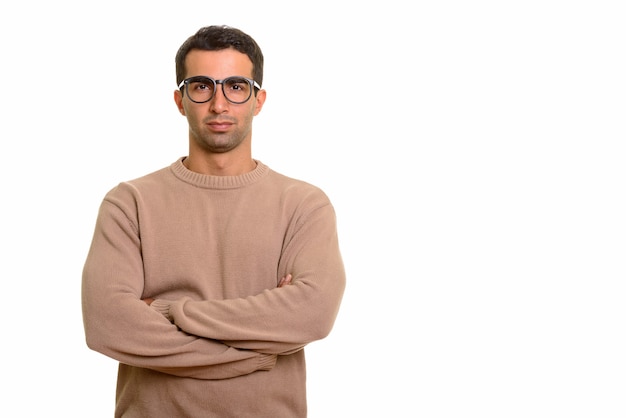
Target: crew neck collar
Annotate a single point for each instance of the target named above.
(218, 182)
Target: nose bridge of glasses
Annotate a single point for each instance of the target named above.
(222, 90)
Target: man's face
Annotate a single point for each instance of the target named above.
(219, 126)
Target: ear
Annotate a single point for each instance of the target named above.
(259, 99)
(178, 99)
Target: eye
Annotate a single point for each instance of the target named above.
(237, 84)
(201, 85)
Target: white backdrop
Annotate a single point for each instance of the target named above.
(473, 151)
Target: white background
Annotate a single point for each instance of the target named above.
(473, 151)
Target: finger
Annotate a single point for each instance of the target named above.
(285, 280)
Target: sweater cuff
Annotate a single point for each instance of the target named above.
(163, 307)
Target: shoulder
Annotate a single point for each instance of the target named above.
(132, 189)
(293, 184)
(298, 191)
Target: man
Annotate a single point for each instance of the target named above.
(206, 279)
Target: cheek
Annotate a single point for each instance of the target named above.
(193, 113)
(192, 118)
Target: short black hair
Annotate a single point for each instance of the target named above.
(218, 37)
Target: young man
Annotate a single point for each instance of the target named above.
(207, 278)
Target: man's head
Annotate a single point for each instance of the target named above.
(219, 71)
(215, 38)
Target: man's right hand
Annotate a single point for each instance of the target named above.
(285, 280)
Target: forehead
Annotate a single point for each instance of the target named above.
(218, 64)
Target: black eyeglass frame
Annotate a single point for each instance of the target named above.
(253, 85)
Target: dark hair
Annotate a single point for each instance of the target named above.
(215, 38)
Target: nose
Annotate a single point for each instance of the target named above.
(219, 104)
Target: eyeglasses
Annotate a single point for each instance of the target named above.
(201, 89)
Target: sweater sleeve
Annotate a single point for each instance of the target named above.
(280, 320)
(120, 325)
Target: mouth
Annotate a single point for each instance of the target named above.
(219, 125)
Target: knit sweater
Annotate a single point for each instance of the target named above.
(220, 339)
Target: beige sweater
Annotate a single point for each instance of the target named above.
(220, 339)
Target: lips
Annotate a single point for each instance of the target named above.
(220, 125)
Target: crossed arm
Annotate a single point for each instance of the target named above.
(283, 282)
(207, 339)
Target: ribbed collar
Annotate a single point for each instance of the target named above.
(218, 182)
